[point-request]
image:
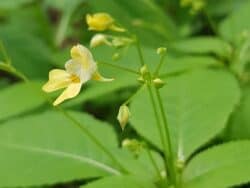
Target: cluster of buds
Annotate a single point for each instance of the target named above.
(102, 22)
(146, 78)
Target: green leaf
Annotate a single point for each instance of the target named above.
(239, 126)
(198, 105)
(203, 45)
(63, 5)
(142, 165)
(233, 27)
(225, 165)
(28, 53)
(121, 182)
(222, 7)
(48, 148)
(176, 65)
(11, 4)
(20, 98)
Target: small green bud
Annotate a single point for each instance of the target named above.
(123, 116)
(180, 164)
(161, 50)
(158, 82)
(132, 145)
(144, 70)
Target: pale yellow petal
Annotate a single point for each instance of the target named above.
(71, 91)
(58, 79)
(81, 54)
(98, 77)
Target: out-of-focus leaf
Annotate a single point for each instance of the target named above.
(234, 26)
(203, 45)
(198, 105)
(11, 4)
(239, 127)
(28, 54)
(63, 5)
(121, 182)
(48, 148)
(225, 165)
(20, 98)
(222, 7)
(187, 63)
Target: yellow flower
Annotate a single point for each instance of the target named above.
(78, 70)
(102, 22)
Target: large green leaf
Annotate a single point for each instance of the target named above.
(177, 65)
(203, 45)
(20, 98)
(222, 166)
(29, 54)
(198, 105)
(239, 127)
(233, 26)
(10, 4)
(121, 182)
(142, 165)
(48, 148)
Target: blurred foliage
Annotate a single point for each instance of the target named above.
(206, 96)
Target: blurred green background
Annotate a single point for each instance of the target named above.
(207, 72)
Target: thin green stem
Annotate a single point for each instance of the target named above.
(133, 95)
(119, 67)
(158, 124)
(11, 70)
(60, 35)
(155, 74)
(139, 50)
(170, 157)
(157, 170)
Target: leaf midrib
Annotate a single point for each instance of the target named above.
(64, 154)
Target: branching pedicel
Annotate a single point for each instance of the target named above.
(82, 68)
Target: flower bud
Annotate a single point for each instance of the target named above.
(141, 79)
(98, 39)
(144, 70)
(123, 116)
(133, 146)
(102, 22)
(158, 83)
(161, 50)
